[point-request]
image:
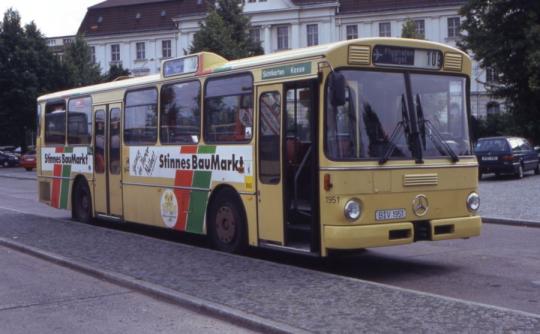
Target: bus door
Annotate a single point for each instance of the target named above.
(107, 155)
(270, 176)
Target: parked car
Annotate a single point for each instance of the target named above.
(8, 160)
(28, 160)
(506, 155)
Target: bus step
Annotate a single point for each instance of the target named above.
(299, 227)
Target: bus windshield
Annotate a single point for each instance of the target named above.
(380, 104)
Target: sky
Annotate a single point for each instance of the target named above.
(52, 17)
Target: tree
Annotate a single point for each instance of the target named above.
(505, 36)
(27, 70)
(115, 72)
(408, 30)
(78, 60)
(225, 32)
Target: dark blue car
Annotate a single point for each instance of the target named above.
(506, 155)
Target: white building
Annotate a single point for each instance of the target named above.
(139, 34)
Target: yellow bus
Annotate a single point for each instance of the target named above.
(345, 146)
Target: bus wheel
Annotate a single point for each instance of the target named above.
(226, 223)
(82, 203)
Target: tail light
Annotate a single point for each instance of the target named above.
(507, 158)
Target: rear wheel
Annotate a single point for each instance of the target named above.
(28, 169)
(227, 223)
(82, 203)
(5, 164)
(519, 173)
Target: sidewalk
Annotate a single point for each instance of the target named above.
(298, 298)
(37, 296)
(17, 173)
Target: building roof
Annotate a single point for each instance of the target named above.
(354, 6)
(122, 16)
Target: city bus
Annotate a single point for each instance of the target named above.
(338, 147)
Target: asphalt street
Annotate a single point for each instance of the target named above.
(500, 268)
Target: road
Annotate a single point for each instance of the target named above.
(501, 268)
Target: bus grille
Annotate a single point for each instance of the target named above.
(452, 62)
(414, 180)
(359, 55)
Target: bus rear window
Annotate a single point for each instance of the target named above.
(80, 121)
(55, 123)
(140, 124)
(229, 109)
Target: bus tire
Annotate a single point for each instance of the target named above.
(227, 223)
(81, 209)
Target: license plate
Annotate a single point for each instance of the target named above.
(489, 158)
(390, 214)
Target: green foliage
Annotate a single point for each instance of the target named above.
(505, 35)
(115, 72)
(27, 70)
(501, 124)
(78, 61)
(225, 32)
(408, 30)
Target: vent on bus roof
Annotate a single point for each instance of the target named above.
(415, 180)
(359, 55)
(452, 62)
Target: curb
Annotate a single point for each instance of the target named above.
(19, 177)
(215, 310)
(511, 222)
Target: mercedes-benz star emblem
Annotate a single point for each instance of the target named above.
(420, 205)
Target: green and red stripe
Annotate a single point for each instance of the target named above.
(192, 203)
(60, 186)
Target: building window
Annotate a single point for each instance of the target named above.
(453, 27)
(420, 28)
(491, 75)
(312, 34)
(352, 31)
(255, 34)
(493, 108)
(282, 38)
(93, 54)
(166, 48)
(141, 52)
(385, 29)
(115, 52)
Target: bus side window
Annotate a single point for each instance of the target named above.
(180, 113)
(80, 121)
(55, 123)
(229, 109)
(140, 122)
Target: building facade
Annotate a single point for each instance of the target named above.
(139, 34)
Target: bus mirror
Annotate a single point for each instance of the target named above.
(337, 87)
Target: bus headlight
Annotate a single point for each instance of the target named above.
(473, 202)
(353, 209)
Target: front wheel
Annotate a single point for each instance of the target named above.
(82, 203)
(226, 223)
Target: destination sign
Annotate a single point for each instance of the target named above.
(286, 71)
(384, 55)
(180, 66)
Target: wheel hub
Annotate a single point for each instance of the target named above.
(225, 224)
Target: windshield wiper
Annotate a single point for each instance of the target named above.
(402, 125)
(434, 134)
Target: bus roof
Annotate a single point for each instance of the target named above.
(278, 57)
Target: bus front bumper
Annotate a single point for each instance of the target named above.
(358, 237)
